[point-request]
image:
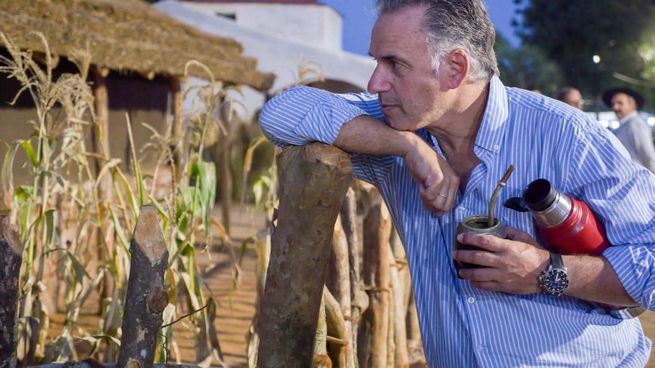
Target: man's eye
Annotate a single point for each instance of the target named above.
(398, 66)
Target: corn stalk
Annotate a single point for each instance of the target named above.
(60, 212)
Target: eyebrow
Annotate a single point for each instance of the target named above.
(389, 57)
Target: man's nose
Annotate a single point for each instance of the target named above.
(379, 81)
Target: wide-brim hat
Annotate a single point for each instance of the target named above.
(607, 96)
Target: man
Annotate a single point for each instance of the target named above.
(440, 128)
(571, 96)
(633, 131)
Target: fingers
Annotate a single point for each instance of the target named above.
(504, 265)
(449, 185)
(483, 241)
(480, 258)
(438, 183)
(479, 275)
(493, 279)
(439, 194)
(433, 200)
(495, 244)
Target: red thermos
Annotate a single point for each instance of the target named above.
(564, 223)
(567, 225)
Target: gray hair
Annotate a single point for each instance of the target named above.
(456, 24)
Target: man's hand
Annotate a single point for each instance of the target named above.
(509, 265)
(437, 181)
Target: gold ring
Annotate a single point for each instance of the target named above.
(443, 196)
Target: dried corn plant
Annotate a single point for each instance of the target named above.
(63, 225)
(306, 72)
(54, 153)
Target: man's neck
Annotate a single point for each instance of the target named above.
(457, 131)
(458, 128)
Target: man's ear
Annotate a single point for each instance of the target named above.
(458, 68)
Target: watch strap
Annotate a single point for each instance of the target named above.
(556, 261)
(554, 279)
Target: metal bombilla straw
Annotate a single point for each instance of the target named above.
(494, 196)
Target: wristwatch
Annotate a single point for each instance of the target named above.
(554, 279)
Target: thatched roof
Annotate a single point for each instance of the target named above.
(126, 35)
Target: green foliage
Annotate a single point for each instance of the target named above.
(527, 67)
(572, 32)
(99, 208)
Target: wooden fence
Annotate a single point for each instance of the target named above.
(145, 301)
(336, 295)
(338, 291)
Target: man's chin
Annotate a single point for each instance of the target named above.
(400, 125)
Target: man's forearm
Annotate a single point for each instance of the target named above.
(368, 135)
(593, 279)
(437, 182)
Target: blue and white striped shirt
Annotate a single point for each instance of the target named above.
(463, 326)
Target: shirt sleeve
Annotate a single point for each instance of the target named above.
(302, 115)
(620, 193)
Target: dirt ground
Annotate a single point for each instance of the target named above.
(648, 323)
(237, 307)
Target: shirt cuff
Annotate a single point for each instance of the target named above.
(633, 266)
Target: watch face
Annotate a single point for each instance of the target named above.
(554, 281)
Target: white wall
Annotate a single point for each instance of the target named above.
(275, 54)
(311, 25)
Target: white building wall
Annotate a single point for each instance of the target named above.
(274, 54)
(311, 25)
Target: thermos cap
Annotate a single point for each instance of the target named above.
(539, 195)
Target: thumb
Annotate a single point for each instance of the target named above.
(518, 235)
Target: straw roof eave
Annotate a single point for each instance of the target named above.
(128, 35)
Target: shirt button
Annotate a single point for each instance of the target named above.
(496, 147)
(480, 348)
(461, 209)
(471, 300)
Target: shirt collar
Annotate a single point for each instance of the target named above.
(493, 125)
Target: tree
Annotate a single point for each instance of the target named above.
(527, 67)
(574, 33)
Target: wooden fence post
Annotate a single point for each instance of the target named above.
(358, 296)
(372, 344)
(400, 287)
(146, 292)
(338, 282)
(10, 261)
(313, 180)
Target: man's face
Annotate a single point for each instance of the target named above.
(622, 104)
(404, 79)
(574, 98)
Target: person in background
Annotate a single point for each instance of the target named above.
(571, 96)
(633, 132)
(435, 133)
